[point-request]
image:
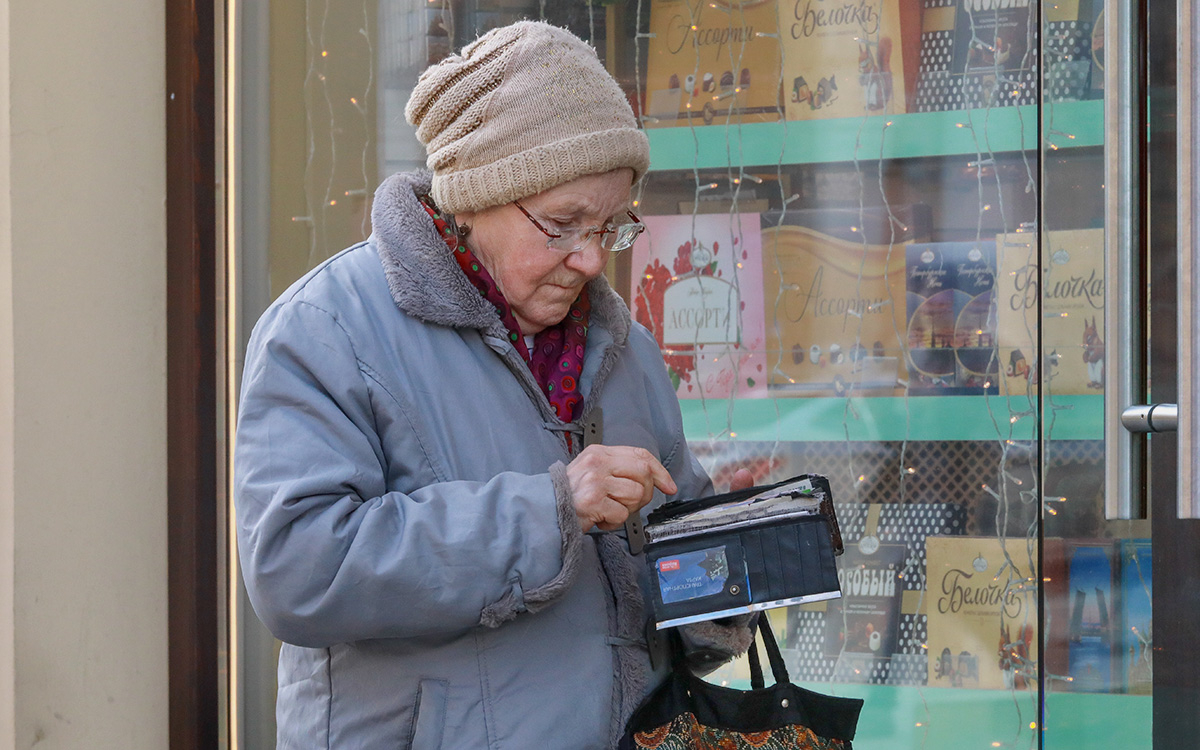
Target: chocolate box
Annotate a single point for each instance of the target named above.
(951, 330)
(711, 63)
(982, 608)
(834, 297)
(696, 282)
(1072, 307)
(849, 59)
(1137, 616)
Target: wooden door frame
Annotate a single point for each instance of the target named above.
(192, 376)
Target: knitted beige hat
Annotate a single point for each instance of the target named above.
(520, 110)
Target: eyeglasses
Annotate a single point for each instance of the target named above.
(573, 239)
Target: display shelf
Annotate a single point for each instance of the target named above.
(961, 132)
(891, 419)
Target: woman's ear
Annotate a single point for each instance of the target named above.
(463, 222)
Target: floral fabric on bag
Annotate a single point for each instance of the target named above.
(686, 733)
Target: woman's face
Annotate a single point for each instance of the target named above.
(539, 282)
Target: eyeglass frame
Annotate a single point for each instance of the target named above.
(600, 231)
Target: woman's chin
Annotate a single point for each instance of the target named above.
(547, 316)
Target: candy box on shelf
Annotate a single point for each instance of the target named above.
(834, 298)
(1067, 311)
(711, 63)
(692, 279)
(951, 333)
(982, 606)
(849, 60)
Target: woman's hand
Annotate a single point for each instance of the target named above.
(742, 480)
(611, 482)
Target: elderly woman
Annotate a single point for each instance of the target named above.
(419, 519)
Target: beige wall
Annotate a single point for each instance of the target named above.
(83, 633)
(7, 685)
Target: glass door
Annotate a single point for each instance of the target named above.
(880, 247)
(1098, 560)
(898, 197)
(1130, 656)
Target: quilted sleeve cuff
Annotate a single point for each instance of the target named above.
(571, 552)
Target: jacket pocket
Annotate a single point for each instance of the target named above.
(429, 722)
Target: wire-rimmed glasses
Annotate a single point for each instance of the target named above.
(573, 239)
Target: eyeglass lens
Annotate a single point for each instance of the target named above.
(616, 239)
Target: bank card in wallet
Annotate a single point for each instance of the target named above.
(755, 549)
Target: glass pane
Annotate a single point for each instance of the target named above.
(844, 269)
(1097, 573)
(896, 198)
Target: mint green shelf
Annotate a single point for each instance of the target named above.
(949, 719)
(892, 419)
(967, 132)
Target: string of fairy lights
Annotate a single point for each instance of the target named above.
(1011, 412)
(1019, 579)
(321, 192)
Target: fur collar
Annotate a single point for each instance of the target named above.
(427, 284)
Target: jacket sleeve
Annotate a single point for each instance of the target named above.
(328, 555)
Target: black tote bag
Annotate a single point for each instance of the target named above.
(687, 713)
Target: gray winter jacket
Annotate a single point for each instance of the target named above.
(404, 519)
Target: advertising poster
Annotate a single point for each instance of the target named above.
(862, 627)
(995, 45)
(849, 59)
(992, 37)
(695, 280)
(710, 63)
(1072, 322)
(1092, 620)
(1137, 588)
(982, 611)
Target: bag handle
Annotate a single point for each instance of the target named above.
(778, 668)
(756, 673)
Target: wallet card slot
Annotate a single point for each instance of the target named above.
(810, 557)
(791, 557)
(697, 576)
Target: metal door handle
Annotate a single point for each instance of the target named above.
(1188, 274)
(1124, 135)
(1151, 418)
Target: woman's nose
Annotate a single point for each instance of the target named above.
(590, 259)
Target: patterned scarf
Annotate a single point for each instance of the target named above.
(557, 357)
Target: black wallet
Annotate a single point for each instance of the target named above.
(754, 549)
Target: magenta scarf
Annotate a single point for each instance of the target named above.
(557, 357)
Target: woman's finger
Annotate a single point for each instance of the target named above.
(641, 465)
(611, 515)
(628, 492)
